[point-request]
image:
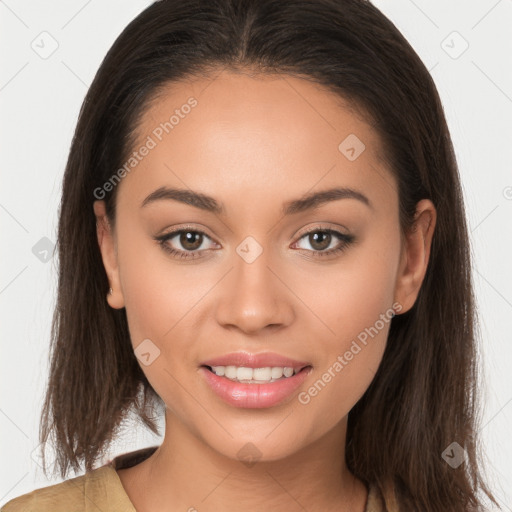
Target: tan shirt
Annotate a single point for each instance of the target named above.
(101, 489)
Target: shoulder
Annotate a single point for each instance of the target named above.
(99, 489)
(74, 494)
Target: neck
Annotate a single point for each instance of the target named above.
(185, 473)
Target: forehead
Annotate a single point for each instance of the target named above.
(265, 135)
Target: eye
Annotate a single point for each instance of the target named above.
(326, 242)
(192, 241)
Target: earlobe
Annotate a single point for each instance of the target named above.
(108, 251)
(415, 255)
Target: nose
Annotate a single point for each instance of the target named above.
(254, 297)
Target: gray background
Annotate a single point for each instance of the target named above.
(465, 44)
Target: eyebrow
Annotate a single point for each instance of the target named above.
(210, 204)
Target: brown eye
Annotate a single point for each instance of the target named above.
(191, 240)
(324, 242)
(320, 240)
(184, 243)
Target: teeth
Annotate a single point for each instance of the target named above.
(288, 372)
(277, 372)
(254, 375)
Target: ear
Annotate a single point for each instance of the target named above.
(108, 251)
(415, 254)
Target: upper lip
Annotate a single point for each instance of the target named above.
(260, 360)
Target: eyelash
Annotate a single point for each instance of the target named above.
(345, 241)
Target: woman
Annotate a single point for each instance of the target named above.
(262, 232)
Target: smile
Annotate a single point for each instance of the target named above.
(254, 388)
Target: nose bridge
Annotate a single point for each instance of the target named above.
(253, 297)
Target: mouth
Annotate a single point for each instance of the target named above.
(254, 388)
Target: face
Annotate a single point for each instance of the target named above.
(254, 269)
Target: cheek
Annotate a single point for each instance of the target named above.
(156, 291)
(350, 295)
(162, 300)
(359, 315)
(150, 296)
(354, 302)
(158, 309)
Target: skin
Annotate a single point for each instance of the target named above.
(253, 143)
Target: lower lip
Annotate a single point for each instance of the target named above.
(254, 396)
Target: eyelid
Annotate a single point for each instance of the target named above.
(184, 227)
(319, 226)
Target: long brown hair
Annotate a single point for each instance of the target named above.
(424, 395)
